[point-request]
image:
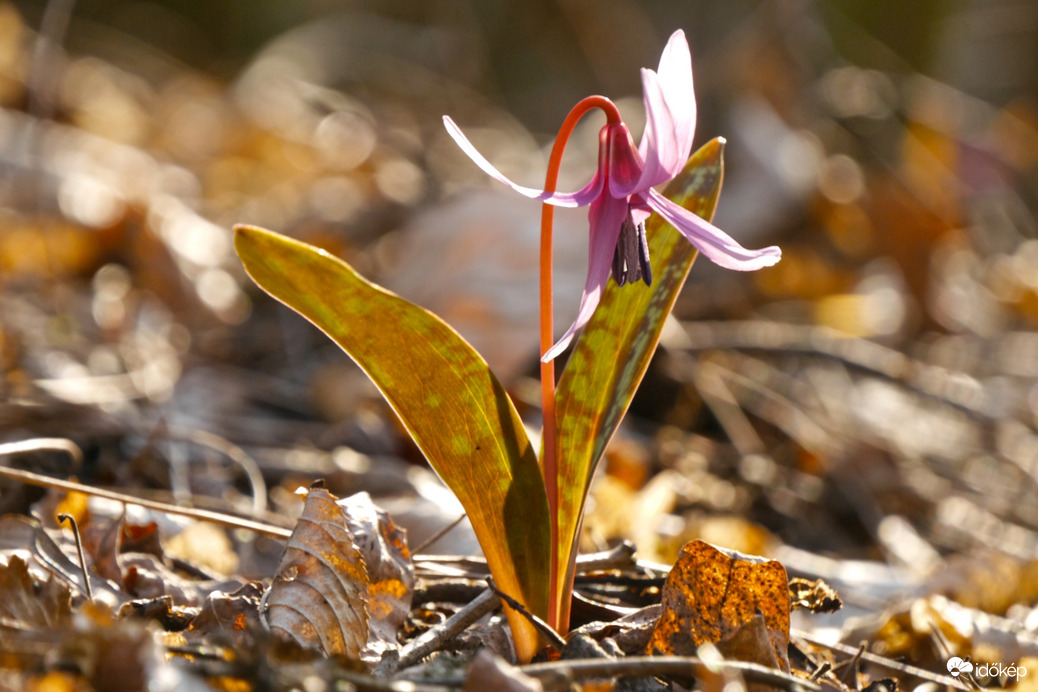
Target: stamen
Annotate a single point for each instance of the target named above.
(643, 255)
(631, 243)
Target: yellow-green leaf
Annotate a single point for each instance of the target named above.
(611, 356)
(446, 397)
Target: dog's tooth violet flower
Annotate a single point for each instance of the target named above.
(621, 197)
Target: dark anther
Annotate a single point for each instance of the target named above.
(631, 243)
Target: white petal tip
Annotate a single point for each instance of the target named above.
(765, 257)
(554, 352)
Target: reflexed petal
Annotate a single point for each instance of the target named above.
(606, 216)
(719, 247)
(579, 198)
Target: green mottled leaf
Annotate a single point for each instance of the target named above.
(611, 356)
(445, 395)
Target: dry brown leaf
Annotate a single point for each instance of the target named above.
(714, 595)
(319, 596)
(146, 576)
(19, 533)
(630, 633)
(233, 615)
(21, 603)
(173, 618)
(907, 630)
(390, 574)
(816, 596)
(751, 642)
(101, 543)
(488, 672)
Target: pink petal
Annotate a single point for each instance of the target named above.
(659, 148)
(673, 83)
(606, 216)
(579, 198)
(719, 247)
(624, 166)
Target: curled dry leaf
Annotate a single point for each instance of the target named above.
(19, 534)
(23, 605)
(101, 541)
(319, 596)
(388, 560)
(146, 576)
(230, 615)
(345, 580)
(815, 596)
(739, 602)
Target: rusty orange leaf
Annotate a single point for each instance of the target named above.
(739, 602)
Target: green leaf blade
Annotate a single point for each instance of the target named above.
(613, 352)
(444, 394)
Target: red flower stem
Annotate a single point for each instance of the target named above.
(549, 459)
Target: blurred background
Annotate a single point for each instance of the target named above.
(871, 398)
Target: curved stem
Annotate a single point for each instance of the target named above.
(559, 593)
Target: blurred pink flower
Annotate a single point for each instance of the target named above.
(621, 197)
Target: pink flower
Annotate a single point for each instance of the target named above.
(621, 197)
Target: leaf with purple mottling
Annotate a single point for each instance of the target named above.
(609, 360)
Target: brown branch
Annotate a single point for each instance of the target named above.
(437, 637)
(199, 514)
(443, 531)
(649, 666)
(882, 661)
(555, 640)
(44, 444)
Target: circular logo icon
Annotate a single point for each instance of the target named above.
(957, 666)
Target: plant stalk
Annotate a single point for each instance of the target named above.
(558, 615)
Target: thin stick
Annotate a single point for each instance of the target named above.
(199, 514)
(553, 637)
(236, 454)
(888, 663)
(647, 666)
(44, 444)
(434, 639)
(438, 535)
(821, 670)
(615, 558)
(79, 549)
(709, 380)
